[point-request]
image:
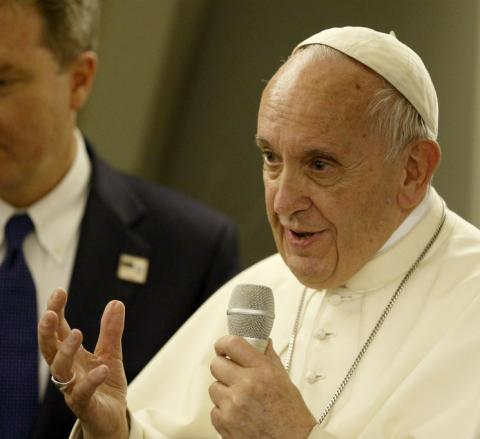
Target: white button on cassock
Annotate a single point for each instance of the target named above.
(321, 334)
(335, 299)
(313, 377)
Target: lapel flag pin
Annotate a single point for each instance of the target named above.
(132, 268)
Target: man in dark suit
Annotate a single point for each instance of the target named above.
(157, 251)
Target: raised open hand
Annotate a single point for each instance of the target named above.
(94, 384)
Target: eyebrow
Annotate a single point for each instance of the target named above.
(314, 152)
(261, 142)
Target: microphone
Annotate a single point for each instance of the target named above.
(250, 314)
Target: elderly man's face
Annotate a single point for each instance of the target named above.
(331, 197)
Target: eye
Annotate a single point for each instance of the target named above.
(6, 83)
(319, 164)
(269, 157)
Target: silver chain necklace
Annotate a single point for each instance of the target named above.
(373, 333)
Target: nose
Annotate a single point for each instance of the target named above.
(289, 195)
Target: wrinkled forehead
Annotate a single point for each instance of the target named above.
(314, 76)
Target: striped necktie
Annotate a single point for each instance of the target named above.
(18, 336)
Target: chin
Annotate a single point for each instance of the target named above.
(310, 272)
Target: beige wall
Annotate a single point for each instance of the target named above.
(132, 53)
(144, 48)
(179, 83)
(474, 193)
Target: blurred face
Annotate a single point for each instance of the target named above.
(331, 197)
(36, 110)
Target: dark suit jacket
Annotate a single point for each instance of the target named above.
(191, 252)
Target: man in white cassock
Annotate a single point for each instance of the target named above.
(376, 284)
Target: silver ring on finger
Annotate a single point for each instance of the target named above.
(63, 386)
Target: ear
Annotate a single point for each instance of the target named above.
(420, 161)
(82, 73)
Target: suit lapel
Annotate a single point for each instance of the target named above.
(106, 234)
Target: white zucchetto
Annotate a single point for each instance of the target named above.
(391, 59)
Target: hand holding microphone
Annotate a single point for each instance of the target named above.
(253, 396)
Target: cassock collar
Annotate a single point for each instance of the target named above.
(394, 263)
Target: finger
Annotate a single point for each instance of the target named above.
(47, 335)
(84, 389)
(62, 365)
(226, 371)
(239, 351)
(56, 303)
(216, 419)
(109, 342)
(218, 393)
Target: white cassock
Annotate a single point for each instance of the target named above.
(419, 379)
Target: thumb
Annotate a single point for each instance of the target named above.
(109, 342)
(272, 355)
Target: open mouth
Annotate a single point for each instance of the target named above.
(302, 234)
(302, 239)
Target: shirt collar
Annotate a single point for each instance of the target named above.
(57, 215)
(6, 211)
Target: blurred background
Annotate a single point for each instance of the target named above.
(178, 87)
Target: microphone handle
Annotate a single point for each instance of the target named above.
(259, 344)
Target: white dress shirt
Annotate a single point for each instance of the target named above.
(50, 249)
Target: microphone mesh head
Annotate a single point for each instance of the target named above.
(251, 311)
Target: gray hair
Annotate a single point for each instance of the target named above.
(70, 26)
(390, 114)
(395, 119)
